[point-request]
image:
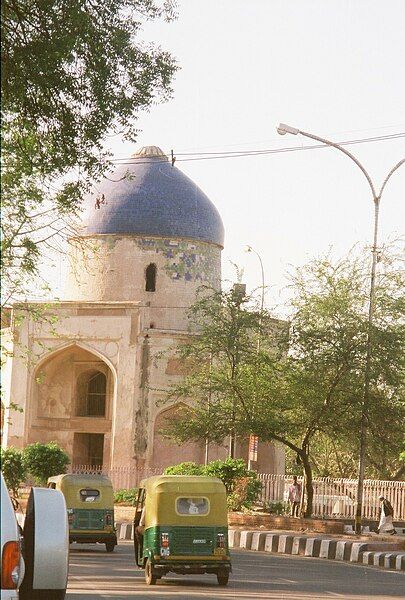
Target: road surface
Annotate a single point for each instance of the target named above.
(96, 575)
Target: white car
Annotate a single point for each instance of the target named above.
(34, 561)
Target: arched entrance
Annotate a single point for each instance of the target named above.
(72, 396)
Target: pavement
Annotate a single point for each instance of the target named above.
(97, 575)
(368, 549)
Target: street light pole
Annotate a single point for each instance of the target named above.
(253, 439)
(282, 130)
(250, 249)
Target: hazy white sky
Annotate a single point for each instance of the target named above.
(331, 67)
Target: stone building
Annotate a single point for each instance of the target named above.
(90, 371)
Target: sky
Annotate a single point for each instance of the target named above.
(334, 68)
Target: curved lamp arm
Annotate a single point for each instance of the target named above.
(401, 162)
(349, 154)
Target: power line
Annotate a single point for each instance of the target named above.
(193, 156)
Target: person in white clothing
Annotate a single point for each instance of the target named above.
(294, 496)
(386, 514)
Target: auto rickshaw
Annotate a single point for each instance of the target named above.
(90, 508)
(181, 526)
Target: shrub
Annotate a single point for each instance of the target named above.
(242, 485)
(185, 468)
(45, 460)
(278, 508)
(229, 471)
(13, 468)
(126, 496)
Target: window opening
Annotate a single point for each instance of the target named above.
(150, 276)
(87, 495)
(192, 506)
(96, 392)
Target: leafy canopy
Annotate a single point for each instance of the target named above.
(45, 460)
(13, 468)
(73, 71)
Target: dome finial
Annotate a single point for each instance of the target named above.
(150, 152)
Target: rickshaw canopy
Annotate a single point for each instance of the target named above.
(185, 500)
(84, 490)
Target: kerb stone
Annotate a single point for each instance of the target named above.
(246, 539)
(328, 549)
(285, 544)
(299, 545)
(234, 538)
(343, 550)
(313, 547)
(356, 552)
(271, 542)
(259, 540)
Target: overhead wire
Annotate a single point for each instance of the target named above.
(193, 156)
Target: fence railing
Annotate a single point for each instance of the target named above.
(336, 498)
(122, 477)
(333, 498)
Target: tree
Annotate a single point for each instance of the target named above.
(13, 468)
(313, 386)
(220, 359)
(45, 460)
(73, 71)
(242, 486)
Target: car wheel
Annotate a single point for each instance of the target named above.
(150, 575)
(223, 578)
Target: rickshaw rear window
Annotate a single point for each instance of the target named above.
(87, 495)
(192, 506)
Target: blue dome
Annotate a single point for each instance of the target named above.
(156, 199)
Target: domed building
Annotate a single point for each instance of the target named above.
(95, 377)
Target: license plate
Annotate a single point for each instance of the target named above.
(219, 551)
(165, 552)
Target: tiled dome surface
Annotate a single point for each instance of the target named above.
(157, 200)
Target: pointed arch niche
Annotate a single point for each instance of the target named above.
(167, 452)
(72, 401)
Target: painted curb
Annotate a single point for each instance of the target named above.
(331, 549)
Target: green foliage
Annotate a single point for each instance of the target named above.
(305, 392)
(277, 508)
(126, 496)
(229, 471)
(45, 460)
(242, 486)
(185, 468)
(224, 364)
(13, 468)
(73, 72)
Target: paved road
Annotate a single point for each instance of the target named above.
(96, 575)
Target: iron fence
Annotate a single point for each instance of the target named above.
(336, 498)
(333, 498)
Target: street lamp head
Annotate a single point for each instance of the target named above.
(248, 249)
(282, 129)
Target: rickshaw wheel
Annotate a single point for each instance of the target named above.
(109, 546)
(223, 578)
(150, 575)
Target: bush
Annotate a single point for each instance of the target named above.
(229, 471)
(45, 460)
(12, 466)
(278, 508)
(242, 485)
(185, 468)
(126, 496)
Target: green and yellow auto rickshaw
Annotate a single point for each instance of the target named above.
(90, 507)
(181, 526)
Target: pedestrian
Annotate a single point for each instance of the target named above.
(294, 496)
(385, 515)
